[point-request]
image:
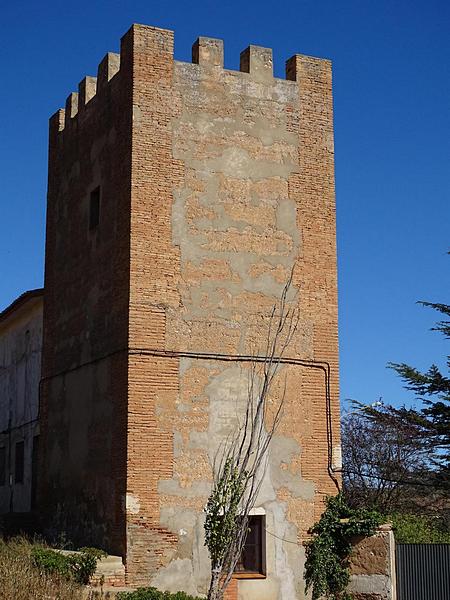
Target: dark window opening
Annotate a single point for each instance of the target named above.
(34, 471)
(253, 557)
(94, 208)
(19, 462)
(2, 466)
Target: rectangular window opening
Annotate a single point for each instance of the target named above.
(19, 462)
(253, 558)
(94, 209)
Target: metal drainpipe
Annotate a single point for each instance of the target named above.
(322, 365)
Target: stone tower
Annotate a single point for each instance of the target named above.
(180, 197)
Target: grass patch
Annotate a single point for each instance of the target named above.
(21, 579)
(32, 570)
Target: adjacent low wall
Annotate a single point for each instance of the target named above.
(372, 566)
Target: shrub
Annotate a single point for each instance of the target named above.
(77, 567)
(95, 552)
(419, 529)
(327, 554)
(151, 593)
(49, 561)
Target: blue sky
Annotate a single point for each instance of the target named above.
(392, 140)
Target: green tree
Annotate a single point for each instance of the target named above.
(398, 459)
(433, 389)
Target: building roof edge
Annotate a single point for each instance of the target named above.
(20, 301)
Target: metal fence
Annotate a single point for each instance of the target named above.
(423, 571)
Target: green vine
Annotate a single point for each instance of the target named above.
(327, 554)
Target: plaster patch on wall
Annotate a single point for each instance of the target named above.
(371, 584)
(283, 568)
(171, 487)
(178, 575)
(284, 450)
(132, 504)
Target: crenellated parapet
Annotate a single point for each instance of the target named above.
(207, 53)
(88, 88)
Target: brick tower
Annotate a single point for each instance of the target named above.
(180, 197)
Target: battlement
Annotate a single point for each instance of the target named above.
(207, 52)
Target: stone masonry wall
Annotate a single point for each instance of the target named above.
(372, 567)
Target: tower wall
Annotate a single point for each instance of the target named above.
(84, 387)
(233, 187)
(220, 184)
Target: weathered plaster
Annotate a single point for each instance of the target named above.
(237, 232)
(20, 373)
(226, 388)
(371, 584)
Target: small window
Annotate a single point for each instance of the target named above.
(2, 465)
(19, 462)
(94, 209)
(253, 557)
